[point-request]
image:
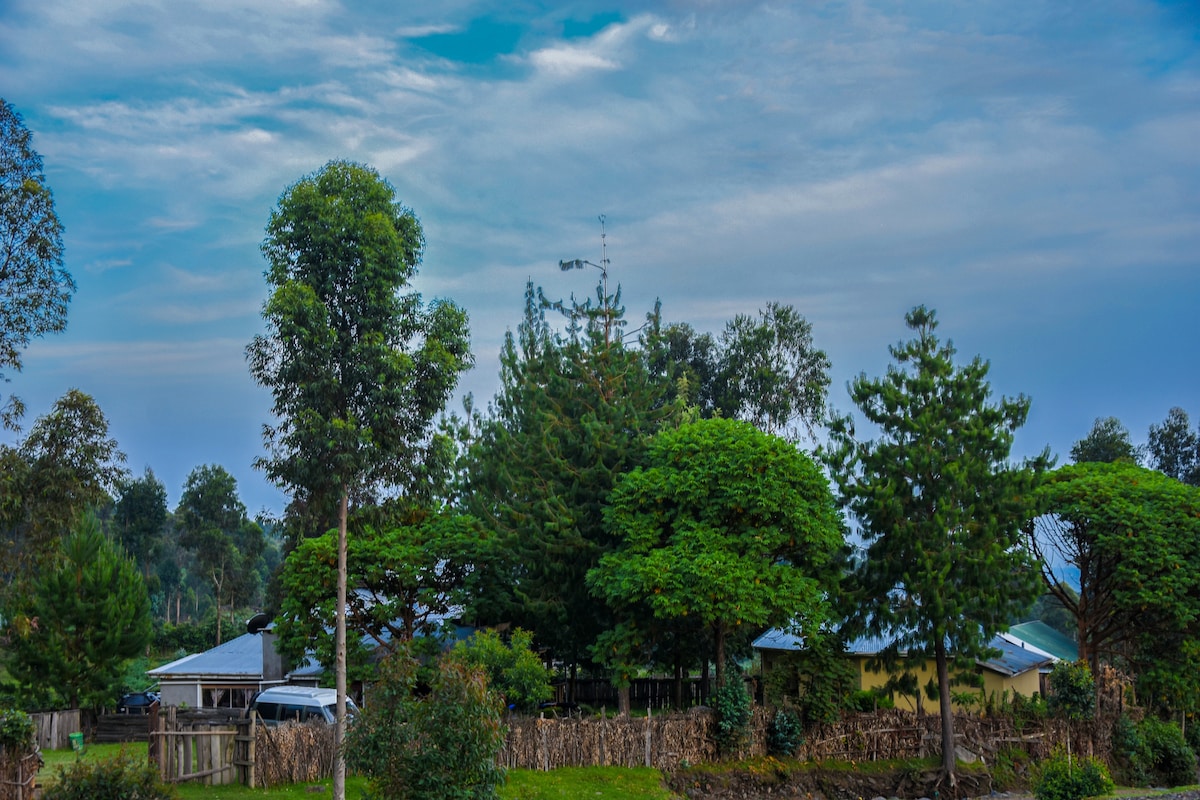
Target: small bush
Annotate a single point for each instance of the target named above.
(16, 730)
(783, 734)
(1153, 752)
(429, 742)
(731, 703)
(1056, 778)
(122, 777)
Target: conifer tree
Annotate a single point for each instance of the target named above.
(939, 506)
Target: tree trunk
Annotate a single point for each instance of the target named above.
(719, 638)
(943, 673)
(623, 701)
(339, 731)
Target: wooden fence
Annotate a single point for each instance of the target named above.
(216, 749)
(54, 727)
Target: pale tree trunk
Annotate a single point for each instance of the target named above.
(943, 673)
(339, 731)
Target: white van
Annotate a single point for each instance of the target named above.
(303, 703)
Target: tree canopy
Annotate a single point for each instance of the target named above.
(1108, 441)
(725, 525)
(89, 614)
(35, 287)
(1134, 535)
(1174, 449)
(938, 504)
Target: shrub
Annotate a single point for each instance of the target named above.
(731, 703)
(1153, 752)
(415, 742)
(783, 733)
(513, 669)
(1058, 778)
(122, 777)
(16, 730)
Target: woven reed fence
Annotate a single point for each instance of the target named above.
(293, 752)
(662, 740)
(667, 740)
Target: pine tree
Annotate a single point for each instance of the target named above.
(939, 507)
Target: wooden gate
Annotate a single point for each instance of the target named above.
(210, 751)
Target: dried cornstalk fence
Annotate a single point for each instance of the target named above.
(294, 752)
(657, 740)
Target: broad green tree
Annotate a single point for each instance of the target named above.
(88, 616)
(357, 367)
(1134, 535)
(1108, 441)
(725, 525)
(212, 523)
(408, 566)
(939, 506)
(1174, 449)
(35, 287)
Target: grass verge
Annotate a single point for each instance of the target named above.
(593, 783)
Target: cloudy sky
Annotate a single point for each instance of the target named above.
(1029, 169)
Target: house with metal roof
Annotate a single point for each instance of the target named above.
(1015, 669)
(226, 676)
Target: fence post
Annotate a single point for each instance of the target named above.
(649, 725)
(603, 726)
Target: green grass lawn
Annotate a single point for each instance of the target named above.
(593, 783)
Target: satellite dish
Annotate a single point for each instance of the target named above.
(257, 623)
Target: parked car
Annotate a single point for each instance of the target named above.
(303, 703)
(136, 702)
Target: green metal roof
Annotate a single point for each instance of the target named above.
(1043, 637)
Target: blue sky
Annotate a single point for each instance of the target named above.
(1029, 169)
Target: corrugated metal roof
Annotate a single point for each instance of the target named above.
(1013, 659)
(1046, 639)
(238, 658)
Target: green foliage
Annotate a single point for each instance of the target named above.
(726, 526)
(213, 524)
(410, 566)
(514, 671)
(357, 367)
(1010, 769)
(67, 465)
(864, 701)
(1072, 690)
(1174, 449)
(1060, 778)
(571, 416)
(122, 777)
(939, 505)
(35, 288)
(88, 616)
(784, 733)
(818, 681)
(16, 730)
(436, 742)
(1153, 753)
(1134, 534)
(1107, 442)
(731, 702)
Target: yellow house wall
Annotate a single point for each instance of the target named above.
(1026, 683)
